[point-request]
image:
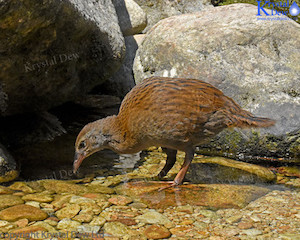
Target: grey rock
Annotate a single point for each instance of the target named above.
(254, 62)
(132, 18)
(54, 51)
(8, 166)
(123, 80)
(157, 10)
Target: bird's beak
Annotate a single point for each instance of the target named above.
(78, 158)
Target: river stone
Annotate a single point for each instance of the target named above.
(21, 186)
(160, 9)
(84, 217)
(120, 200)
(23, 211)
(22, 222)
(33, 204)
(39, 197)
(254, 62)
(63, 187)
(8, 166)
(61, 200)
(153, 217)
(5, 190)
(209, 195)
(88, 229)
(252, 232)
(157, 232)
(57, 53)
(29, 230)
(68, 224)
(69, 211)
(132, 18)
(116, 229)
(224, 170)
(45, 225)
(98, 221)
(9, 200)
(79, 200)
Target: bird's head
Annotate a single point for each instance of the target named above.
(94, 137)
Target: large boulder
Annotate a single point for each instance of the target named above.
(253, 61)
(54, 51)
(123, 80)
(160, 9)
(132, 18)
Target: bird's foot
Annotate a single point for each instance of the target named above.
(172, 184)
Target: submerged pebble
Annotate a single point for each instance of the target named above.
(136, 210)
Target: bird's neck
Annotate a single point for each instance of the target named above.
(120, 136)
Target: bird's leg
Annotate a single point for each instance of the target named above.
(189, 155)
(171, 159)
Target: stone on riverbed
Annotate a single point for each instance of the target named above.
(22, 211)
(224, 170)
(153, 217)
(39, 197)
(209, 195)
(120, 200)
(21, 186)
(69, 211)
(5, 190)
(68, 224)
(9, 200)
(63, 187)
(157, 232)
(116, 229)
(29, 230)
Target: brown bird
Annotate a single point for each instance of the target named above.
(174, 113)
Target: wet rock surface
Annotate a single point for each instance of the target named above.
(217, 169)
(128, 206)
(215, 196)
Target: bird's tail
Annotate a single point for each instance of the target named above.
(245, 119)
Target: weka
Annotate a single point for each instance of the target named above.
(174, 113)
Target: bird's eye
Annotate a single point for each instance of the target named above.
(82, 145)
